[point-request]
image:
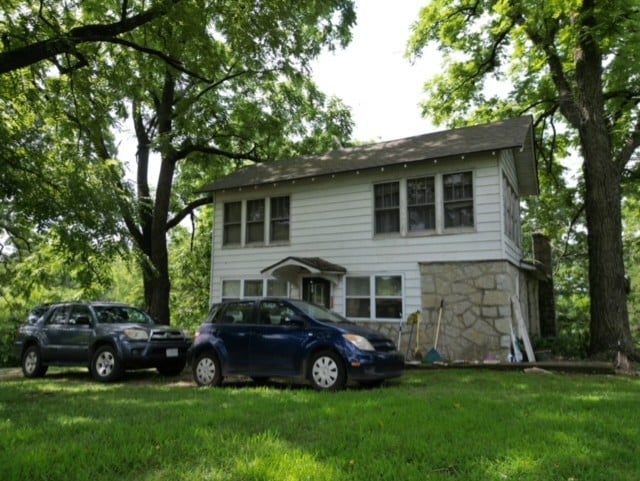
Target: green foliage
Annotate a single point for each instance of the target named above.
(503, 425)
(571, 65)
(209, 85)
(190, 266)
(631, 240)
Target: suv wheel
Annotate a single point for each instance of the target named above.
(327, 372)
(207, 370)
(32, 366)
(105, 365)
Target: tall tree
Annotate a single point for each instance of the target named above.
(237, 89)
(574, 64)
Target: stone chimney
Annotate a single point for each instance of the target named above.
(546, 298)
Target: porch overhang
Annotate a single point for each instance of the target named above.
(291, 268)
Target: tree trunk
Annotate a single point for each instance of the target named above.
(609, 316)
(609, 327)
(160, 285)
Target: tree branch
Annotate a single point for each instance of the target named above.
(33, 53)
(175, 63)
(206, 149)
(188, 209)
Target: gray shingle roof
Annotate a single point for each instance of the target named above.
(516, 134)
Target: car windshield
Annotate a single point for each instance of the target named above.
(121, 315)
(319, 313)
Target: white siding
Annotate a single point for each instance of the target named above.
(332, 218)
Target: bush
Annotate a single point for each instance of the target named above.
(569, 345)
(8, 329)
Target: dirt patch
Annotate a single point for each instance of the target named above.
(10, 373)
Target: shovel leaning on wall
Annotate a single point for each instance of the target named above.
(433, 355)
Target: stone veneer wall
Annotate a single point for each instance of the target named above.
(477, 311)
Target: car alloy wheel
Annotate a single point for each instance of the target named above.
(206, 370)
(327, 372)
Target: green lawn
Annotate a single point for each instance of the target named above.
(429, 425)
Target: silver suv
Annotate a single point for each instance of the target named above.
(108, 338)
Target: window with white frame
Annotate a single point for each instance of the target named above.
(252, 288)
(421, 204)
(387, 207)
(425, 205)
(232, 220)
(277, 288)
(512, 227)
(255, 221)
(374, 297)
(230, 289)
(458, 200)
(279, 227)
(246, 222)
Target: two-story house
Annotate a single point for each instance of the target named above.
(377, 232)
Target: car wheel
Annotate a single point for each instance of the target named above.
(207, 370)
(172, 369)
(105, 364)
(327, 372)
(32, 366)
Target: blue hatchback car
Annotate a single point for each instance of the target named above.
(277, 337)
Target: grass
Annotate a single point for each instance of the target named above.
(429, 425)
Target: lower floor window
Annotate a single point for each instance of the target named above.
(247, 288)
(374, 297)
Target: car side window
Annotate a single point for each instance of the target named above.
(275, 312)
(58, 316)
(80, 315)
(236, 313)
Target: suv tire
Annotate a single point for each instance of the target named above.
(105, 364)
(32, 366)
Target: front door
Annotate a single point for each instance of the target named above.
(317, 291)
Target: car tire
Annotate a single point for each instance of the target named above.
(106, 365)
(327, 372)
(32, 366)
(207, 370)
(172, 369)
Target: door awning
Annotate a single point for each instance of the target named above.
(291, 268)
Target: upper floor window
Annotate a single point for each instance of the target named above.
(255, 221)
(387, 207)
(232, 222)
(421, 204)
(511, 212)
(458, 200)
(279, 219)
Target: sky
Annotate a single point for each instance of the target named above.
(372, 75)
